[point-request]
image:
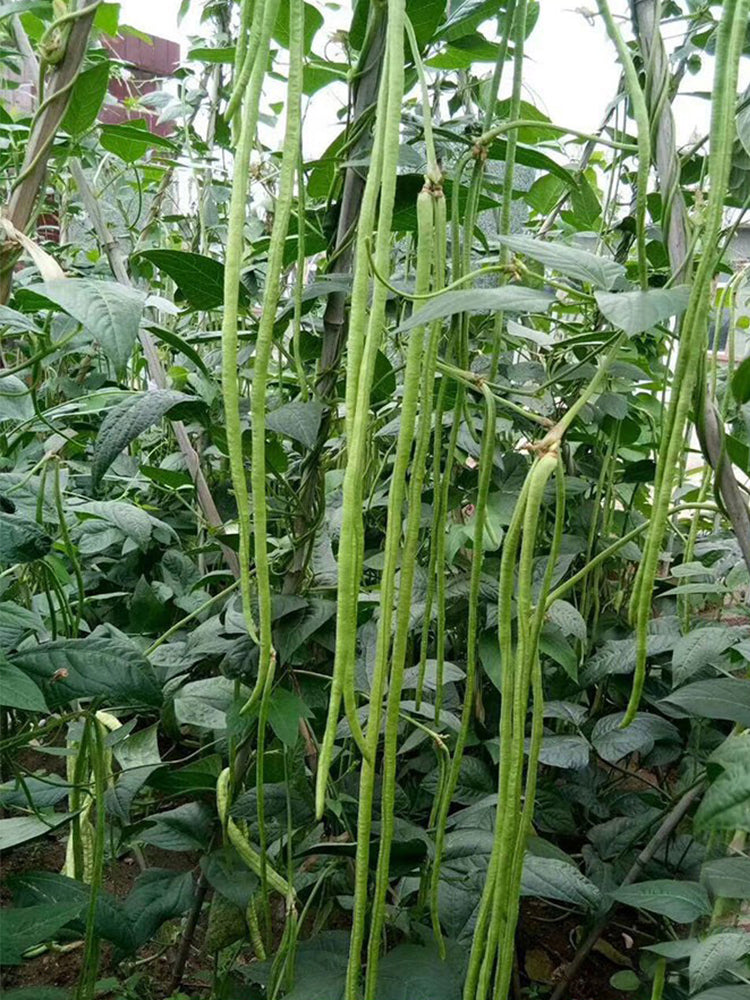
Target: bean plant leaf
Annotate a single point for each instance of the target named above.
(157, 895)
(721, 698)
(508, 298)
(728, 878)
(298, 420)
(17, 690)
(681, 901)
(601, 272)
(635, 312)
(412, 972)
(612, 742)
(551, 878)
(86, 99)
(711, 956)
(24, 927)
(726, 804)
(741, 381)
(126, 421)
(698, 649)
(15, 400)
(19, 829)
(200, 279)
(21, 539)
(108, 311)
(96, 667)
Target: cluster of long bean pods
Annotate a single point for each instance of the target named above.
(693, 330)
(255, 33)
(366, 320)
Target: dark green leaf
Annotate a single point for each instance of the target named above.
(551, 878)
(21, 539)
(96, 667)
(741, 382)
(726, 804)
(200, 279)
(727, 878)
(682, 902)
(131, 141)
(126, 421)
(298, 420)
(30, 925)
(19, 829)
(17, 690)
(86, 100)
(722, 698)
(612, 743)
(411, 972)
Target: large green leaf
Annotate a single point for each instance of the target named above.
(22, 928)
(18, 829)
(682, 902)
(508, 298)
(552, 878)
(99, 667)
(410, 972)
(138, 757)
(466, 15)
(721, 698)
(726, 804)
(635, 312)
(132, 140)
(601, 272)
(612, 743)
(15, 400)
(320, 967)
(185, 828)
(17, 690)
(126, 421)
(741, 382)
(205, 703)
(722, 993)
(700, 648)
(88, 94)
(35, 888)
(727, 878)
(200, 279)
(298, 420)
(711, 956)
(21, 539)
(110, 312)
(157, 895)
(313, 21)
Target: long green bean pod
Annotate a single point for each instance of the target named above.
(264, 342)
(485, 480)
(519, 38)
(362, 353)
(640, 113)
(265, 12)
(414, 383)
(349, 570)
(532, 674)
(509, 813)
(694, 327)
